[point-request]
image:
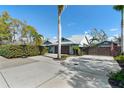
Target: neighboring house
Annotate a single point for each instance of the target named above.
(107, 48)
(67, 44)
(106, 44)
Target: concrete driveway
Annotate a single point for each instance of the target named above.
(90, 71)
(43, 71)
(37, 73)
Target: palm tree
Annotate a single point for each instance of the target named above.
(38, 39)
(60, 9)
(121, 9)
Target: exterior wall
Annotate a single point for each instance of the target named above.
(106, 51)
(51, 49)
(64, 49)
(71, 50)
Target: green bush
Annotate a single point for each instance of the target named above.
(77, 51)
(15, 51)
(31, 50)
(43, 50)
(120, 58)
(118, 78)
(10, 51)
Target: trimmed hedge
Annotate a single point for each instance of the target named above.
(15, 51)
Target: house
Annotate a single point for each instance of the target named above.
(67, 44)
(106, 48)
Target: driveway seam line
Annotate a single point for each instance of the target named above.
(5, 80)
(47, 81)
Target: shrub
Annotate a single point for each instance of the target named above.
(120, 58)
(11, 51)
(31, 50)
(77, 51)
(43, 50)
(14, 51)
(117, 78)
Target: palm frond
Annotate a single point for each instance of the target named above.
(60, 9)
(118, 7)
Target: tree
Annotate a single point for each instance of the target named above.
(38, 39)
(60, 9)
(121, 9)
(117, 39)
(30, 33)
(4, 27)
(10, 27)
(15, 23)
(97, 36)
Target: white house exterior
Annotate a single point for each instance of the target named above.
(67, 44)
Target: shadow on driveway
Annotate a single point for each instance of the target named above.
(89, 72)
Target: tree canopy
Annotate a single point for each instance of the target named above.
(97, 36)
(118, 7)
(13, 30)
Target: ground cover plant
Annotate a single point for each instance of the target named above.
(117, 79)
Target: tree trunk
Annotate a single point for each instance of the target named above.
(59, 36)
(122, 32)
(14, 37)
(30, 39)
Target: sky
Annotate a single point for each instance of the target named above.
(76, 20)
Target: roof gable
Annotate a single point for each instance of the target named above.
(47, 42)
(64, 40)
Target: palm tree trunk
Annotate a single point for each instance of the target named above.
(59, 36)
(122, 32)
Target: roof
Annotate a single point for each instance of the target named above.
(80, 39)
(106, 43)
(75, 39)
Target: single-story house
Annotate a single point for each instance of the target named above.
(67, 44)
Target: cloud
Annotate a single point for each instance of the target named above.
(85, 32)
(54, 37)
(110, 38)
(113, 29)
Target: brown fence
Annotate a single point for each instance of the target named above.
(106, 51)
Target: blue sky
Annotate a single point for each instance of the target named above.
(76, 20)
